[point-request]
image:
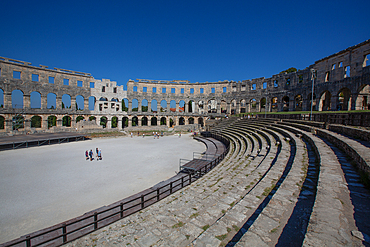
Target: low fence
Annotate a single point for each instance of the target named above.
(72, 229)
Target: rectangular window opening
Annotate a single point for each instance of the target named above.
(254, 86)
(51, 79)
(224, 89)
(288, 81)
(173, 90)
(333, 67)
(103, 89)
(92, 85)
(79, 84)
(264, 85)
(135, 88)
(191, 90)
(145, 89)
(66, 82)
(213, 90)
(114, 90)
(16, 74)
(163, 90)
(182, 90)
(35, 77)
(340, 64)
(202, 90)
(347, 72)
(300, 78)
(327, 76)
(234, 88)
(154, 89)
(366, 61)
(243, 88)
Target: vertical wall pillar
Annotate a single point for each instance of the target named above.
(86, 104)
(139, 106)
(7, 100)
(26, 101)
(129, 106)
(73, 104)
(58, 102)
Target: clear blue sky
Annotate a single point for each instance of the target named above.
(189, 40)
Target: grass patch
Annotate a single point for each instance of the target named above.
(221, 237)
(187, 237)
(194, 215)
(236, 228)
(205, 227)
(273, 230)
(180, 224)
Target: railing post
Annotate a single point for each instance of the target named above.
(95, 220)
(28, 241)
(142, 201)
(64, 233)
(171, 188)
(182, 182)
(189, 178)
(121, 209)
(158, 194)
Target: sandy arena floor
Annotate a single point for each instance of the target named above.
(43, 186)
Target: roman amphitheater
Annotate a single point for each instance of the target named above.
(272, 180)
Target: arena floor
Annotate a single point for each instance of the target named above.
(43, 186)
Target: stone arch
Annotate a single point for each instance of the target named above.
(144, 121)
(212, 106)
(79, 118)
(114, 100)
(153, 121)
(325, 101)
(1, 98)
(223, 107)
(135, 121)
(181, 121)
(104, 121)
(173, 106)
(125, 104)
(92, 101)
(233, 107)
(163, 121)
(66, 101)
(17, 98)
(18, 122)
(144, 105)
(35, 100)
(124, 122)
(253, 105)
(135, 105)
(201, 105)
(91, 118)
(200, 121)
(182, 106)
(191, 106)
(263, 105)
(344, 100)
(52, 121)
(363, 98)
(309, 99)
(274, 104)
(36, 121)
(243, 105)
(2, 122)
(80, 102)
(163, 106)
(154, 106)
(285, 101)
(66, 121)
(191, 120)
(51, 100)
(298, 102)
(114, 122)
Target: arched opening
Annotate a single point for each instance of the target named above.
(92, 101)
(124, 122)
(125, 105)
(191, 120)
(66, 121)
(163, 121)
(274, 104)
(1, 98)
(51, 100)
(36, 122)
(243, 105)
(52, 121)
(79, 118)
(2, 122)
(114, 100)
(173, 106)
(135, 121)
(17, 99)
(103, 121)
(325, 101)
(263, 105)
(103, 103)
(233, 107)
(66, 101)
(212, 106)
(135, 105)
(144, 105)
(181, 121)
(344, 100)
(363, 98)
(154, 106)
(191, 106)
(92, 118)
(285, 103)
(171, 122)
(298, 102)
(200, 121)
(201, 106)
(80, 102)
(182, 106)
(163, 106)
(35, 100)
(253, 104)
(18, 122)
(309, 99)
(223, 107)
(144, 121)
(153, 121)
(114, 122)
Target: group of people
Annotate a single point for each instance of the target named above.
(155, 134)
(90, 154)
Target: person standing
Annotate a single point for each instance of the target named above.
(87, 155)
(131, 134)
(99, 154)
(91, 154)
